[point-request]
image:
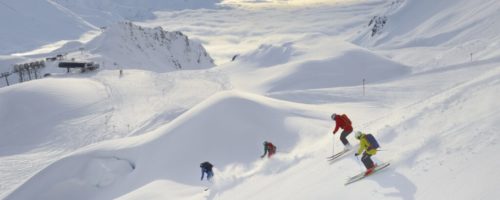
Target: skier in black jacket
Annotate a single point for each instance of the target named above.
(206, 167)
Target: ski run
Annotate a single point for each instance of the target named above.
(249, 99)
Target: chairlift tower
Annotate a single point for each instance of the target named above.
(5, 75)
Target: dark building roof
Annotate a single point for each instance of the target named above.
(73, 64)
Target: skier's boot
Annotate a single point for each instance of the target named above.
(347, 147)
(370, 170)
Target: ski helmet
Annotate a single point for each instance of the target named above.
(333, 116)
(358, 134)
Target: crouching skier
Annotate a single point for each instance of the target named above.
(368, 146)
(269, 149)
(206, 167)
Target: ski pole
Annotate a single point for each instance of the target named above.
(359, 163)
(333, 145)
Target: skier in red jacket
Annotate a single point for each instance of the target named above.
(342, 121)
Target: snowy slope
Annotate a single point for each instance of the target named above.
(430, 23)
(143, 135)
(79, 111)
(101, 172)
(104, 179)
(452, 31)
(28, 101)
(293, 66)
(33, 120)
(30, 24)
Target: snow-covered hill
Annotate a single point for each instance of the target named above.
(78, 111)
(430, 23)
(142, 135)
(132, 46)
(452, 32)
(29, 24)
(105, 171)
(418, 144)
(291, 67)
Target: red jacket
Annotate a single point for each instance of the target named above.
(342, 121)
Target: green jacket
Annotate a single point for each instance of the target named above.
(363, 146)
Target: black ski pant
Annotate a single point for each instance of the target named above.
(367, 160)
(343, 137)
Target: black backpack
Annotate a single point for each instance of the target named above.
(206, 165)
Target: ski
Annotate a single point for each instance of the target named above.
(362, 174)
(334, 157)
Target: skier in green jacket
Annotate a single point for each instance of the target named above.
(269, 149)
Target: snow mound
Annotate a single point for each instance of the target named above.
(345, 69)
(132, 46)
(269, 55)
(52, 98)
(82, 175)
(174, 151)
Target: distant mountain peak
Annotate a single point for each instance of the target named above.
(133, 46)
